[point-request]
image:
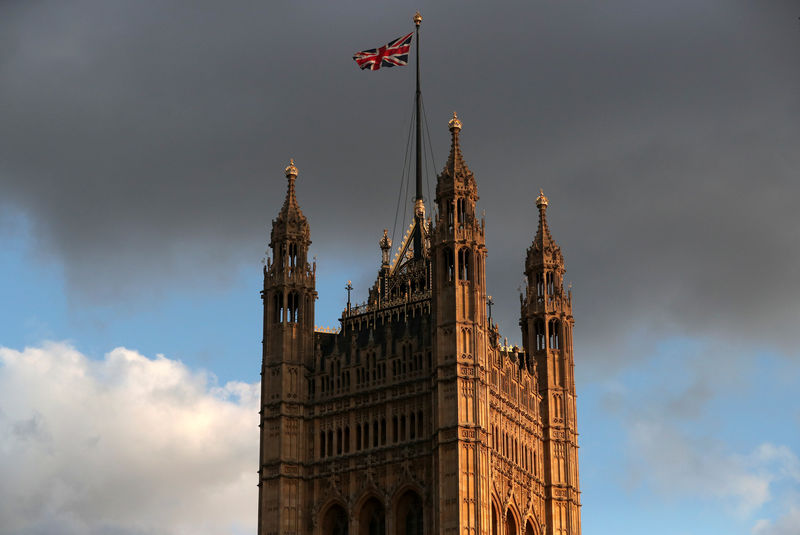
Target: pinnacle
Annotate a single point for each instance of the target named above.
(291, 209)
(544, 247)
(455, 165)
(543, 237)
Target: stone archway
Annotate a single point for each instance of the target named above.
(335, 522)
(495, 519)
(529, 529)
(511, 524)
(408, 514)
(372, 518)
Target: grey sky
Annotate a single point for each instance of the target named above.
(146, 145)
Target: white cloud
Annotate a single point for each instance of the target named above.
(679, 464)
(123, 445)
(788, 524)
(680, 437)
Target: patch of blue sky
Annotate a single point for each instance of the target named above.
(217, 329)
(727, 398)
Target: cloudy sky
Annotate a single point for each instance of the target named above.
(142, 147)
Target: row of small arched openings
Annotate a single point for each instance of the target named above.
(550, 338)
(509, 447)
(509, 524)
(288, 312)
(546, 284)
(372, 434)
(455, 211)
(287, 255)
(373, 371)
(463, 269)
(370, 517)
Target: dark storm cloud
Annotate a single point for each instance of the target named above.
(146, 144)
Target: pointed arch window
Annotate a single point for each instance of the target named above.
(540, 285)
(464, 264)
(277, 308)
(541, 340)
(449, 264)
(292, 307)
(462, 212)
(555, 334)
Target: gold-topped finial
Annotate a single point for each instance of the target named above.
(417, 18)
(386, 242)
(455, 123)
(541, 200)
(291, 170)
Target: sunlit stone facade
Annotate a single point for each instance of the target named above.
(414, 416)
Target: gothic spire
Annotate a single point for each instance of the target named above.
(455, 166)
(543, 237)
(290, 221)
(291, 210)
(544, 248)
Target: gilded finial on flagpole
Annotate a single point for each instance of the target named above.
(417, 18)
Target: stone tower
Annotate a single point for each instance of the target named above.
(460, 349)
(287, 355)
(547, 322)
(413, 417)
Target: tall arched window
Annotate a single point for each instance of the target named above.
(462, 212)
(555, 334)
(464, 261)
(335, 521)
(449, 264)
(409, 514)
(511, 523)
(292, 306)
(277, 308)
(540, 285)
(372, 518)
(540, 336)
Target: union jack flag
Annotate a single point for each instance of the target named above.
(393, 53)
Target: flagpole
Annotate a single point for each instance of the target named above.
(419, 207)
